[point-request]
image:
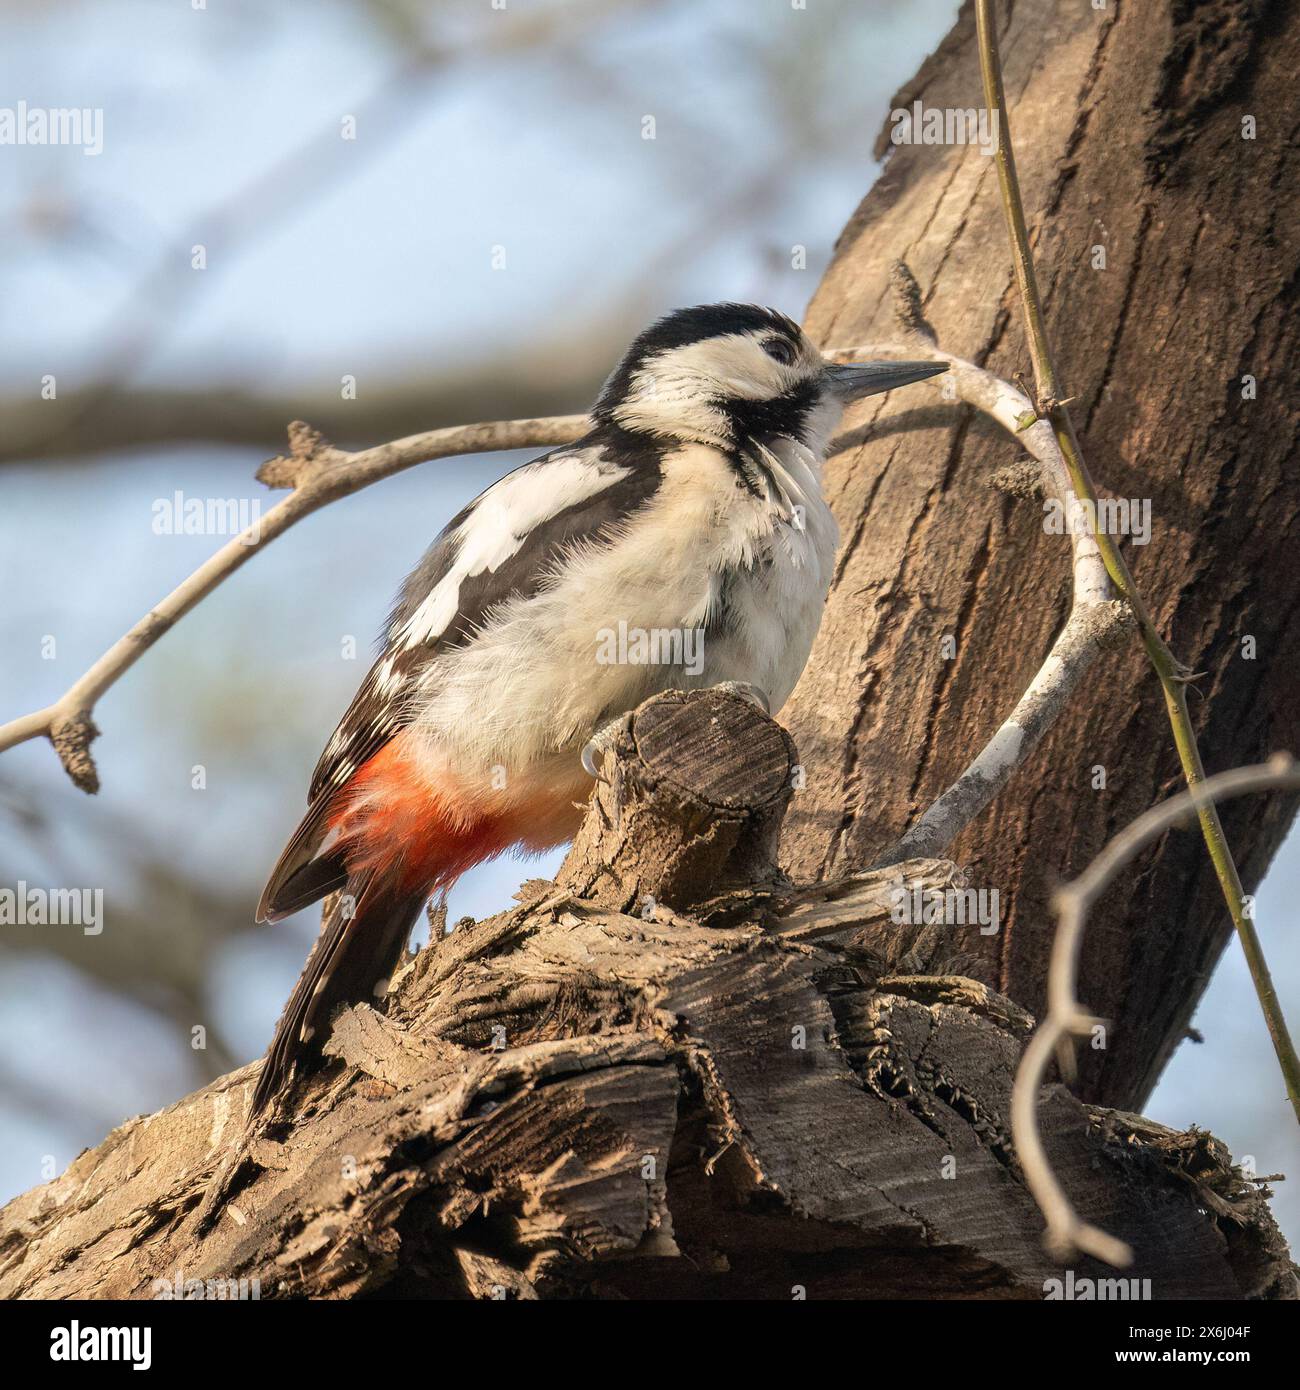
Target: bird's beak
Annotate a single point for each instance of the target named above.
(852, 381)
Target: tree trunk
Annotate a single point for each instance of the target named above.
(1128, 128)
(674, 1071)
(598, 1095)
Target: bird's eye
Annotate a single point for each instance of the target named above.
(782, 349)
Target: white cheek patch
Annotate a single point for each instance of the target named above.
(734, 364)
(674, 390)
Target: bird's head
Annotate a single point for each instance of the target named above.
(726, 374)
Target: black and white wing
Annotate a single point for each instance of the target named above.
(502, 546)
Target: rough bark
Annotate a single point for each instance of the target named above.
(675, 1070)
(1128, 130)
(571, 1099)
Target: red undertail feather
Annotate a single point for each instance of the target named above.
(398, 839)
(393, 821)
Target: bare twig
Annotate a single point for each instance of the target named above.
(1174, 676)
(319, 474)
(1094, 619)
(1066, 1233)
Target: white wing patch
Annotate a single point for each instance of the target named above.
(500, 523)
(388, 679)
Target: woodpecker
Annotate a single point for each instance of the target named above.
(690, 516)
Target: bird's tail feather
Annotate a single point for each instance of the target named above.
(362, 936)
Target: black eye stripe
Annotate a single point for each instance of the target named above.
(781, 349)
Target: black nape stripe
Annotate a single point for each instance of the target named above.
(636, 449)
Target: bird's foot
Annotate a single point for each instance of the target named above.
(746, 691)
(602, 742)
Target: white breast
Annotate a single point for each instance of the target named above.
(531, 687)
(777, 566)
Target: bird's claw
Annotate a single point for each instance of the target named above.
(600, 743)
(589, 760)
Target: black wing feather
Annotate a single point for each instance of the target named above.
(385, 703)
